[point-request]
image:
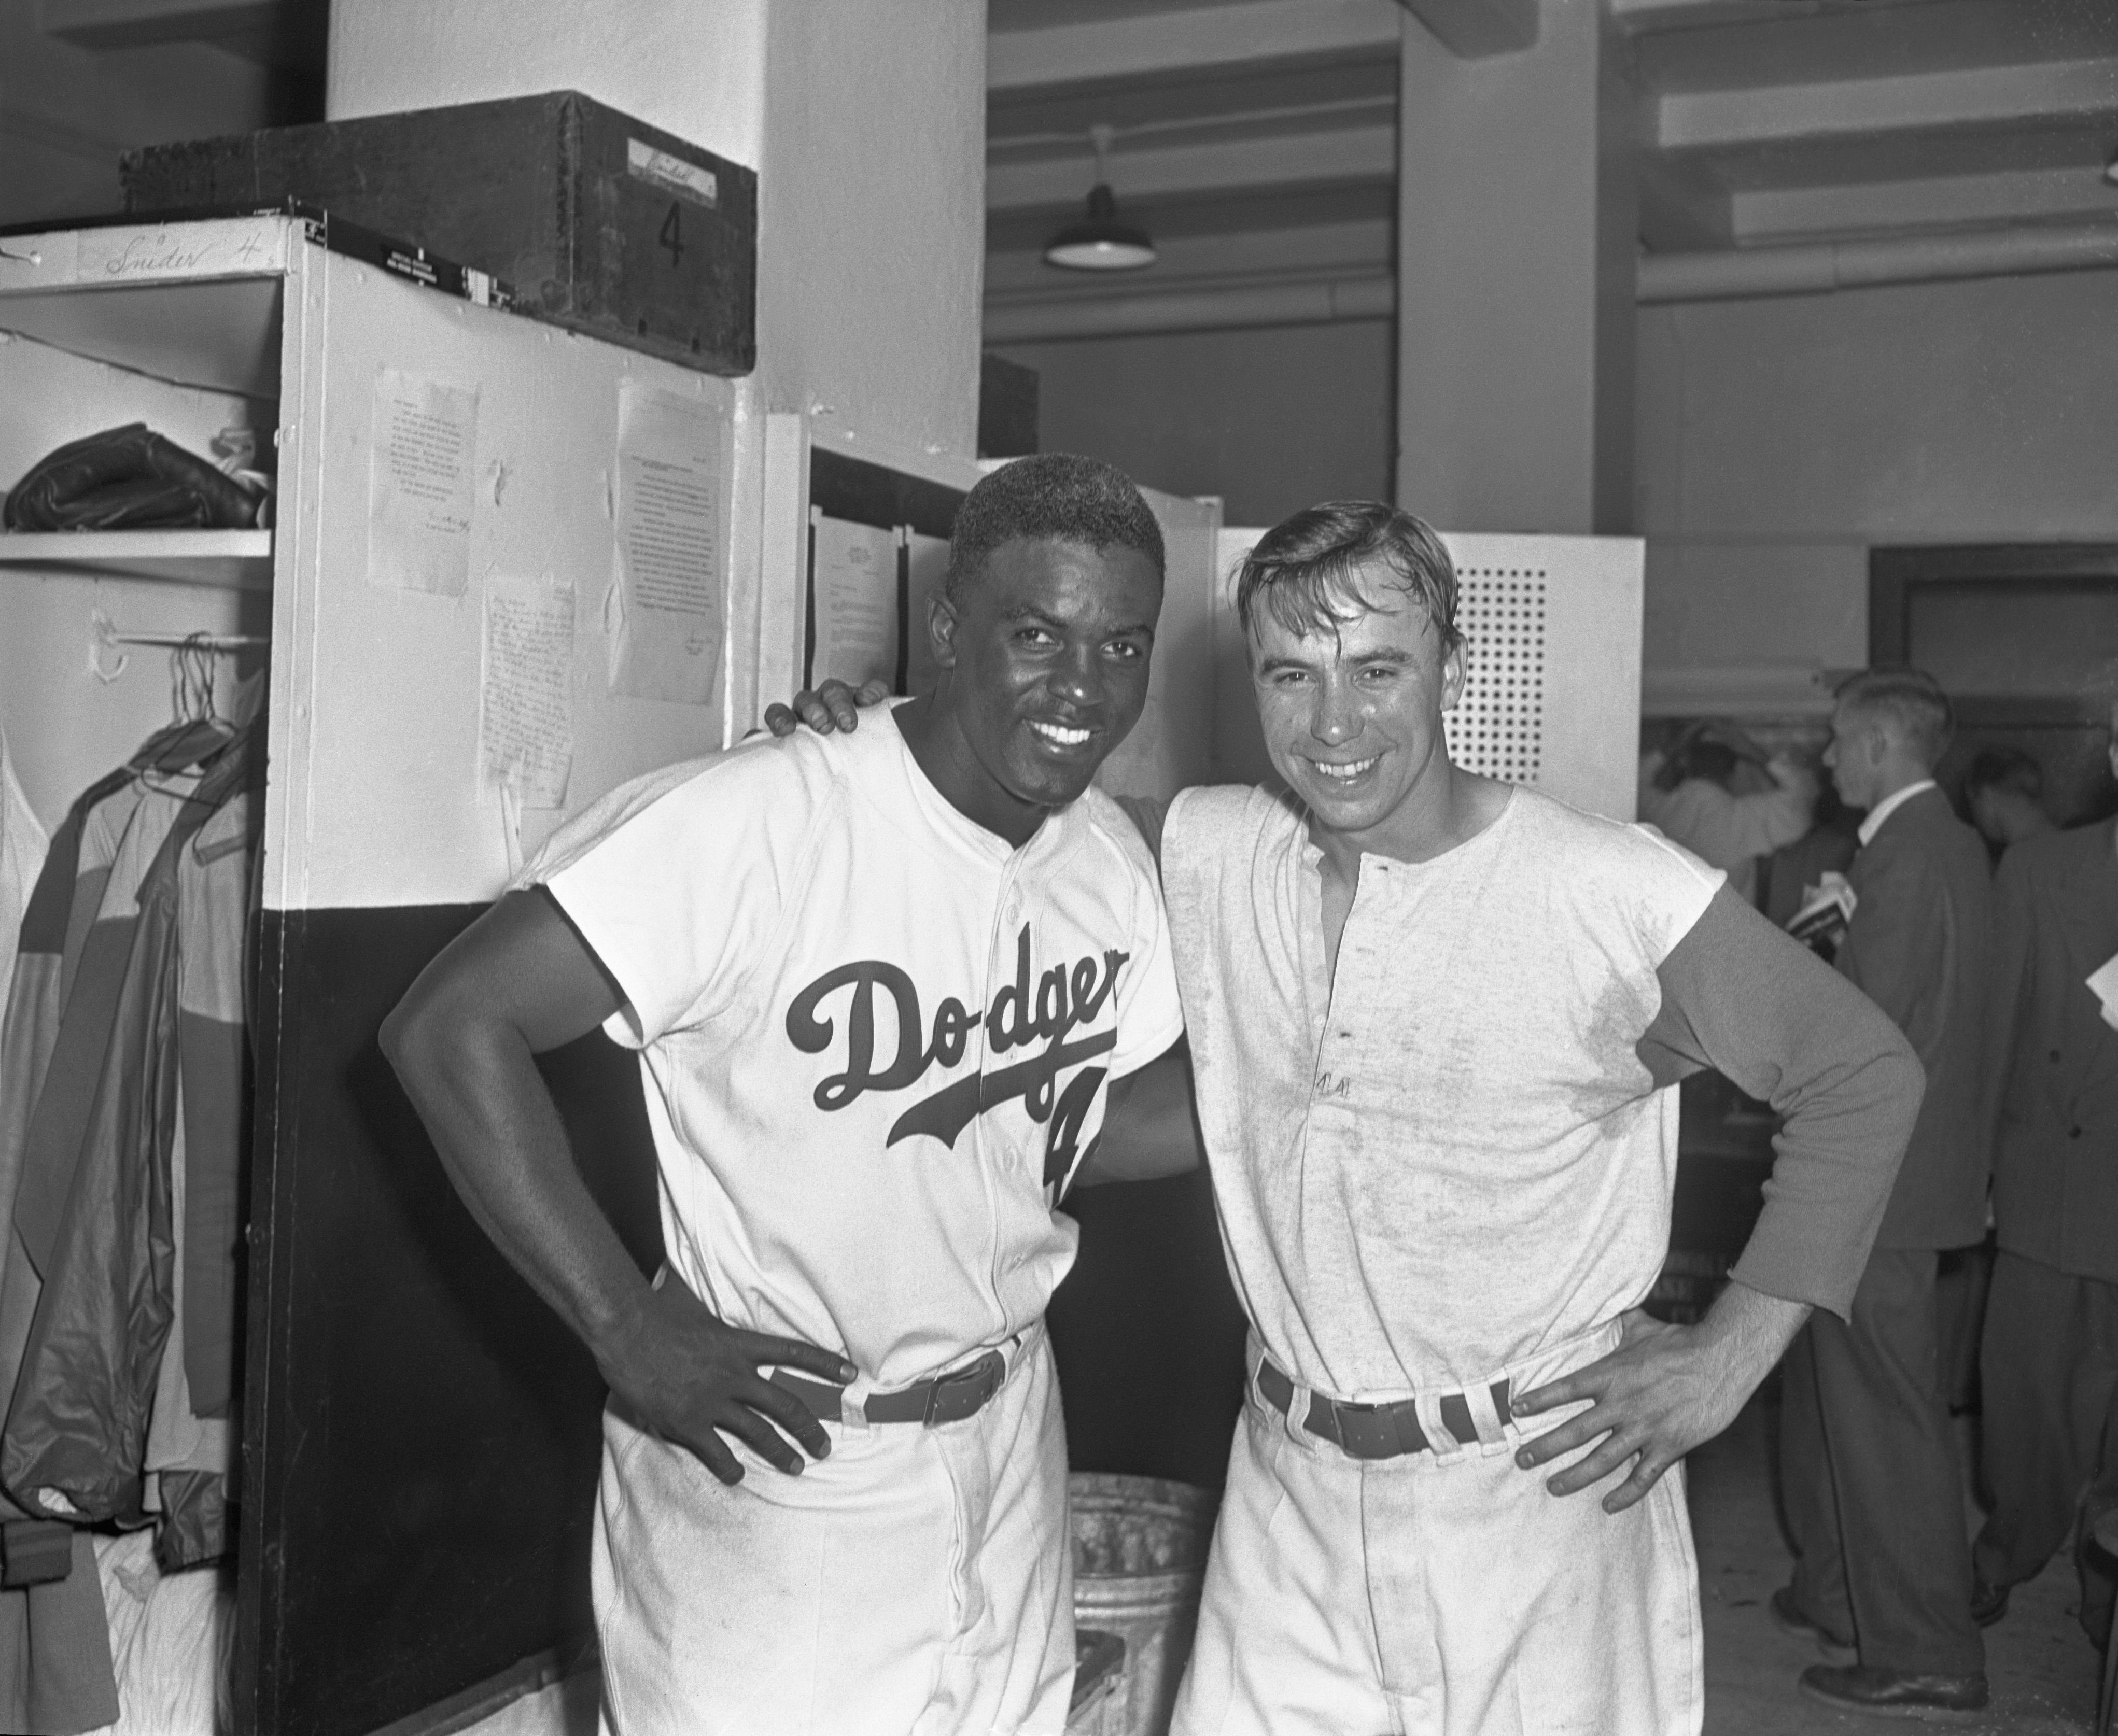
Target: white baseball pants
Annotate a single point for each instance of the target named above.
(917, 1582)
(1445, 1594)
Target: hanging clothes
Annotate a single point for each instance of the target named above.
(190, 1436)
(55, 1663)
(95, 1209)
(22, 846)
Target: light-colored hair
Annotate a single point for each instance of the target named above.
(1911, 702)
(1319, 571)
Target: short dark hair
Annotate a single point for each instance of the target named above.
(2005, 768)
(1914, 703)
(1703, 757)
(1313, 573)
(1056, 496)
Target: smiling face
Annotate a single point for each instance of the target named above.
(1045, 656)
(1353, 723)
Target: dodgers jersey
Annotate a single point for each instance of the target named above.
(875, 1037)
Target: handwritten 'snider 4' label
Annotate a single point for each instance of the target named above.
(114, 255)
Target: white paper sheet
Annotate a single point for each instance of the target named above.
(664, 622)
(930, 571)
(2103, 984)
(423, 442)
(526, 714)
(856, 601)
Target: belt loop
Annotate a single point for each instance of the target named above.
(1299, 1402)
(1485, 1413)
(1441, 1439)
(1254, 1361)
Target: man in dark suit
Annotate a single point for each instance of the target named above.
(1874, 1495)
(2050, 1367)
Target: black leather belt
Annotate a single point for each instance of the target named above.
(946, 1398)
(1376, 1431)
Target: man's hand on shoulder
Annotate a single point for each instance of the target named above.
(1150, 1124)
(832, 706)
(687, 1376)
(1664, 1390)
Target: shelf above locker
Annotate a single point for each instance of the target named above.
(237, 560)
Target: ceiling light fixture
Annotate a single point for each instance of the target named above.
(2111, 169)
(1100, 243)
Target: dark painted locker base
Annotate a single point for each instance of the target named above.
(421, 1433)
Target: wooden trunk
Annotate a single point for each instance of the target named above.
(595, 221)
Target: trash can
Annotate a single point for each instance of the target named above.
(1139, 1558)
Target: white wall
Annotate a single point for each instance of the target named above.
(696, 69)
(1779, 438)
(872, 220)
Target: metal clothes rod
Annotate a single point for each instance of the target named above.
(204, 641)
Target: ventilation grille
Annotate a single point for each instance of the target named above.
(1498, 726)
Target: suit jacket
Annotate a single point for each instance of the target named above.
(2056, 1172)
(1920, 945)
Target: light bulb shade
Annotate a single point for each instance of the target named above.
(1101, 242)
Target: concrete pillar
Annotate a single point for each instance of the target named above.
(866, 123)
(872, 220)
(1517, 219)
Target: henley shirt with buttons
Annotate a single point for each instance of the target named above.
(1460, 1152)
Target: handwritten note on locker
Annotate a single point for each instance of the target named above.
(422, 444)
(665, 621)
(855, 593)
(526, 712)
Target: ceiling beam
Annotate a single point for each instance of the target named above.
(1347, 156)
(1815, 268)
(1196, 306)
(129, 24)
(1188, 42)
(2084, 90)
(1473, 28)
(1873, 207)
(1640, 16)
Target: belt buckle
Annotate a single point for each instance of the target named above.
(1367, 1431)
(952, 1397)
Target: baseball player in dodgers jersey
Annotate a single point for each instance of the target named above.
(1434, 1021)
(882, 987)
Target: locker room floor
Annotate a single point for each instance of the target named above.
(2043, 1670)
